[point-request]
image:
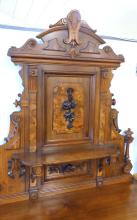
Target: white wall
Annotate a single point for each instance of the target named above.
(124, 83)
(124, 87)
(10, 81)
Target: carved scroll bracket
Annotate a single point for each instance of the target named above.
(99, 178)
(13, 139)
(15, 167)
(114, 117)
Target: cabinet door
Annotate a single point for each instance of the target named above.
(68, 108)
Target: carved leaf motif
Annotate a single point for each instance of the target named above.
(54, 44)
(61, 22)
(90, 48)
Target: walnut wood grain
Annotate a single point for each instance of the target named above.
(47, 152)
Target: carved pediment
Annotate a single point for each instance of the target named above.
(69, 38)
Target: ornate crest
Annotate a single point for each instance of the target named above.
(73, 22)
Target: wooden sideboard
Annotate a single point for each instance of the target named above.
(66, 135)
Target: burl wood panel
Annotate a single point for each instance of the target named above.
(56, 93)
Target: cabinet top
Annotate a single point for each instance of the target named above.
(69, 39)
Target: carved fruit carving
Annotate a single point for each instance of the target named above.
(59, 123)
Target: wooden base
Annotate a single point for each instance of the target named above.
(58, 187)
(112, 202)
(6, 199)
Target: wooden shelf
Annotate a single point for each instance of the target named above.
(70, 154)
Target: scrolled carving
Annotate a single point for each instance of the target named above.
(108, 49)
(12, 141)
(30, 44)
(68, 105)
(114, 117)
(54, 44)
(62, 21)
